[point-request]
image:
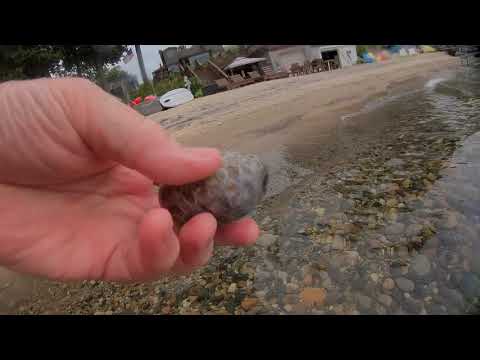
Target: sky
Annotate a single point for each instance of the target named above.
(151, 58)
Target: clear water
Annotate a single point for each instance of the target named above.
(393, 230)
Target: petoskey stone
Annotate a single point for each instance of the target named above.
(230, 194)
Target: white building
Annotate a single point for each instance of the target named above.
(283, 56)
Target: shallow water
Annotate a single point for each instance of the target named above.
(393, 230)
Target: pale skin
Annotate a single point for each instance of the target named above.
(77, 200)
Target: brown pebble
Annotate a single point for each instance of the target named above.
(290, 299)
(249, 303)
(308, 280)
(388, 284)
(299, 308)
(313, 296)
(166, 309)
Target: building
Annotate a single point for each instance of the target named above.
(283, 56)
(160, 74)
(176, 59)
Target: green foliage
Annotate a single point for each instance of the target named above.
(89, 60)
(27, 62)
(115, 74)
(33, 61)
(143, 90)
(174, 81)
(196, 87)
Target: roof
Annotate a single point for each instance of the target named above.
(191, 51)
(241, 61)
(172, 55)
(198, 49)
(255, 48)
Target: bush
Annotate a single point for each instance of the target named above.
(174, 81)
(196, 87)
(143, 90)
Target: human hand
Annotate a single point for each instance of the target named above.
(77, 199)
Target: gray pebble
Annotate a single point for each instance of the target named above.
(470, 285)
(266, 240)
(338, 243)
(405, 284)
(453, 296)
(420, 265)
(385, 300)
(364, 302)
(395, 229)
(395, 163)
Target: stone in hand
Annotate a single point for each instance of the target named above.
(230, 194)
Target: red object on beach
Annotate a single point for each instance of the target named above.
(136, 101)
(149, 98)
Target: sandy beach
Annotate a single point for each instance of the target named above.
(258, 116)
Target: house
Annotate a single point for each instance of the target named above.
(283, 56)
(160, 74)
(176, 59)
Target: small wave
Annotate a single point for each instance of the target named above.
(377, 103)
(433, 82)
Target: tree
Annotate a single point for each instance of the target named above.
(116, 74)
(33, 61)
(121, 83)
(90, 60)
(27, 62)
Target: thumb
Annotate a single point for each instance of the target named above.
(114, 131)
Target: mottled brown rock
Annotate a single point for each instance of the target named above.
(230, 194)
(313, 296)
(249, 303)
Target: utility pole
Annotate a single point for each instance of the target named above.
(145, 79)
(138, 50)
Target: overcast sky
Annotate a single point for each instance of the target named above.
(151, 58)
